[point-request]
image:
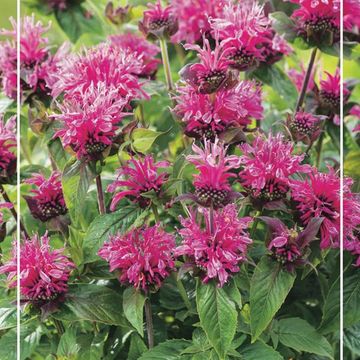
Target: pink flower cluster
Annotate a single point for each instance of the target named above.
(220, 247)
(144, 257)
(36, 62)
(47, 201)
(7, 147)
(138, 176)
(44, 273)
(267, 165)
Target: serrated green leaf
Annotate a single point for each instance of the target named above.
(133, 304)
(299, 335)
(218, 316)
(143, 139)
(105, 225)
(269, 288)
(93, 303)
(168, 350)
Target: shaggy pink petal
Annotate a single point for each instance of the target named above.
(144, 257)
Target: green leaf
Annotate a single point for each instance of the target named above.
(279, 81)
(105, 225)
(68, 346)
(76, 181)
(168, 350)
(352, 339)
(133, 304)
(218, 316)
(143, 139)
(299, 335)
(58, 154)
(75, 23)
(7, 318)
(269, 287)
(93, 303)
(137, 347)
(351, 164)
(5, 103)
(283, 25)
(259, 350)
(351, 294)
(331, 309)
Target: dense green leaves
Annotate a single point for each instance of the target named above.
(269, 287)
(133, 304)
(301, 336)
(218, 316)
(259, 350)
(93, 303)
(351, 294)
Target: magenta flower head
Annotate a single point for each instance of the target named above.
(137, 177)
(267, 165)
(143, 257)
(44, 272)
(217, 250)
(318, 19)
(351, 208)
(142, 49)
(304, 127)
(7, 148)
(330, 92)
(213, 72)
(319, 196)
(90, 121)
(290, 246)
(104, 64)
(212, 187)
(242, 29)
(275, 48)
(158, 22)
(351, 16)
(193, 18)
(47, 201)
(33, 52)
(204, 116)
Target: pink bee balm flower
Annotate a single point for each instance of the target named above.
(47, 201)
(267, 165)
(7, 147)
(274, 49)
(142, 49)
(212, 186)
(319, 196)
(207, 116)
(90, 121)
(159, 22)
(330, 91)
(219, 248)
(138, 177)
(44, 273)
(304, 127)
(351, 208)
(212, 73)
(33, 52)
(351, 17)
(193, 17)
(104, 64)
(144, 257)
(316, 17)
(242, 28)
(289, 246)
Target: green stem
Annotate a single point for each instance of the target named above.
(166, 64)
(254, 225)
(59, 326)
(306, 80)
(100, 195)
(149, 323)
(13, 211)
(319, 149)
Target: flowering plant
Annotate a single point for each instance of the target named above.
(180, 181)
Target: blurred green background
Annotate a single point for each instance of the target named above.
(8, 8)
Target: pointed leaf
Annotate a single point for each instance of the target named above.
(133, 304)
